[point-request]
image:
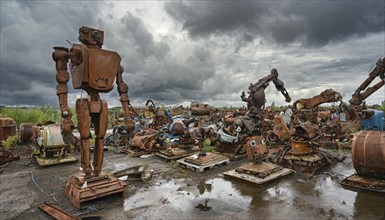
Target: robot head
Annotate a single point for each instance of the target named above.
(90, 36)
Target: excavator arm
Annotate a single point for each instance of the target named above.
(363, 91)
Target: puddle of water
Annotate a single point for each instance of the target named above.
(291, 197)
(216, 196)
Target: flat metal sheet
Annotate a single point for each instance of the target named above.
(52, 161)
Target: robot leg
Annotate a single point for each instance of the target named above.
(84, 130)
(100, 125)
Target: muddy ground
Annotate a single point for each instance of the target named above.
(176, 193)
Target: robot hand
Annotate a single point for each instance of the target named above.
(67, 126)
(243, 95)
(129, 127)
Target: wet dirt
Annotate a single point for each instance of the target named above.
(176, 193)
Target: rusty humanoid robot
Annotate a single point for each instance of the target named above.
(93, 69)
(257, 99)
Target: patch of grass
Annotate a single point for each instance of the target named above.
(31, 115)
(35, 115)
(11, 142)
(207, 146)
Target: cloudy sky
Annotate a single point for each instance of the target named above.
(176, 52)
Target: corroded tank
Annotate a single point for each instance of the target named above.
(7, 128)
(200, 108)
(368, 153)
(26, 131)
(52, 137)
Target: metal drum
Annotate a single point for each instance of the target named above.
(51, 136)
(200, 109)
(368, 153)
(25, 130)
(7, 128)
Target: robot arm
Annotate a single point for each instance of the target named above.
(358, 97)
(61, 55)
(123, 89)
(279, 85)
(243, 97)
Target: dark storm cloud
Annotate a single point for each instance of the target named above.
(314, 23)
(206, 17)
(28, 31)
(230, 46)
(153, 69)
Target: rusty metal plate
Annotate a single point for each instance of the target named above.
(261, 170)
(255, 180)
(56, 213)
(368, 183)
(209, 158)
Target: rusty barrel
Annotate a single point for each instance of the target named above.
(26, 131)
(368, 153)
(200, 109)
(7, 128)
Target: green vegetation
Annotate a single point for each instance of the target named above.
(207, 146)
(382, 107)
(11, 142)
(35, 115)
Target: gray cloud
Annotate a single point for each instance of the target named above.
(314, 23)
(228, 45)
(28, 32)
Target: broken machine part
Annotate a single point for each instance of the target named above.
(51, 147)
(368, 155)
(258, 170)
(203, 161)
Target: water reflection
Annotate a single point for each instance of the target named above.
(203, 186)
(215, 196)
(291, 197)
(369, 205)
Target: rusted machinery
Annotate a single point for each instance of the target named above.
(197, 108)
(93, 70)
(370, 119)
(363, 91)
(7, 129)
(26, 132)
(329, 95)
(160, 118)
(258, 170)
(233, 137)
(51, 148)
(257, 93)
(368, 155)
(256, 100)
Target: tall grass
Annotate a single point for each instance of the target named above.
(31, 115)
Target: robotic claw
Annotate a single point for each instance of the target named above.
(93, 70)
(257, 99)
